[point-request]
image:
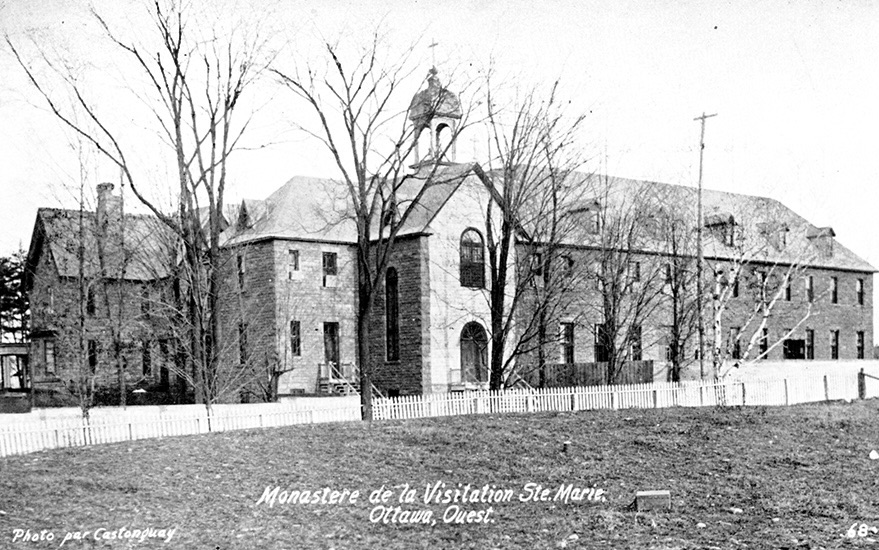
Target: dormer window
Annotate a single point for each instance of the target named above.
(589, 217)
(775, 233)
(723, 225)
(822, 238)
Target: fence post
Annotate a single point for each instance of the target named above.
(786, 398)
(701, 395)
(826, 389)
(655, 399)
(743, 393)
(862, 385)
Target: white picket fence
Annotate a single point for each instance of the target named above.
(732, 392)
(54, 428)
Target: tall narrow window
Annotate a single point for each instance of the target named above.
(90, 301)
(93, 355)
(49, 356)
(392, 316)
(146, 359)
(602, 348)
(634, 271)
(292, 263)
(567, 347)
(164, 358)
(860, 344)
(764, 342)
(810, 343)
(472, 260)
(330, 266)
(735, 342)
(735, 287)
(145, 301)
(859, 288)
(834, 288)
(810, 288)
(295, 339)
(636, 343)
(242, 343)
(787, 291)
(241, 271)
(834, 344)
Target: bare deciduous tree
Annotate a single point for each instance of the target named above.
(359, 98)
(197, 77)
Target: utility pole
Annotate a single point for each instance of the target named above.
(699, 261)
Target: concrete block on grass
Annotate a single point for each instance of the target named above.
(652, 500)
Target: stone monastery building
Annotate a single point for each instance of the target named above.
(291, 290)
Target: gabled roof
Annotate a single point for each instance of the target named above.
(318, 209)
(750, 215)
(143, 253)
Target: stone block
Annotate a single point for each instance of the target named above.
(652, 500)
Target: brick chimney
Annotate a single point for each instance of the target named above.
(109, 211)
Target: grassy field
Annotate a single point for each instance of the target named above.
(795, 477)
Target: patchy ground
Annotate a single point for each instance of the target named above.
(795, 477)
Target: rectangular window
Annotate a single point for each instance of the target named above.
(330, 265)
(834, 288)
(735, 288)
(764, 341)
(90, 301)
(810, 289)
(242, 343)
(145, 301)
(241, 271)
(567, 348)
(634, 271)
(93, 355)
(537, 264)
(49, 356)
(392, 316)
(292, 263)
(735, 342)
(602, 351)
(834, 344)
(295, 338)
(859, 288)
(810, 343)
(668, 274)
(787, 291)
(860, 344)
(636, 343)
(729, 234)
(146, 359)
(165, 358)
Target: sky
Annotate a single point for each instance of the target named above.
(795, 86)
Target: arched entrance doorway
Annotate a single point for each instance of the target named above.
(474, 344)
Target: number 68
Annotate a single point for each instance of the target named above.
(861, 531)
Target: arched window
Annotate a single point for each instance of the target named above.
(443, 139)
(474, 344)
(472, 260)
(392, 316)
(423, 145)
